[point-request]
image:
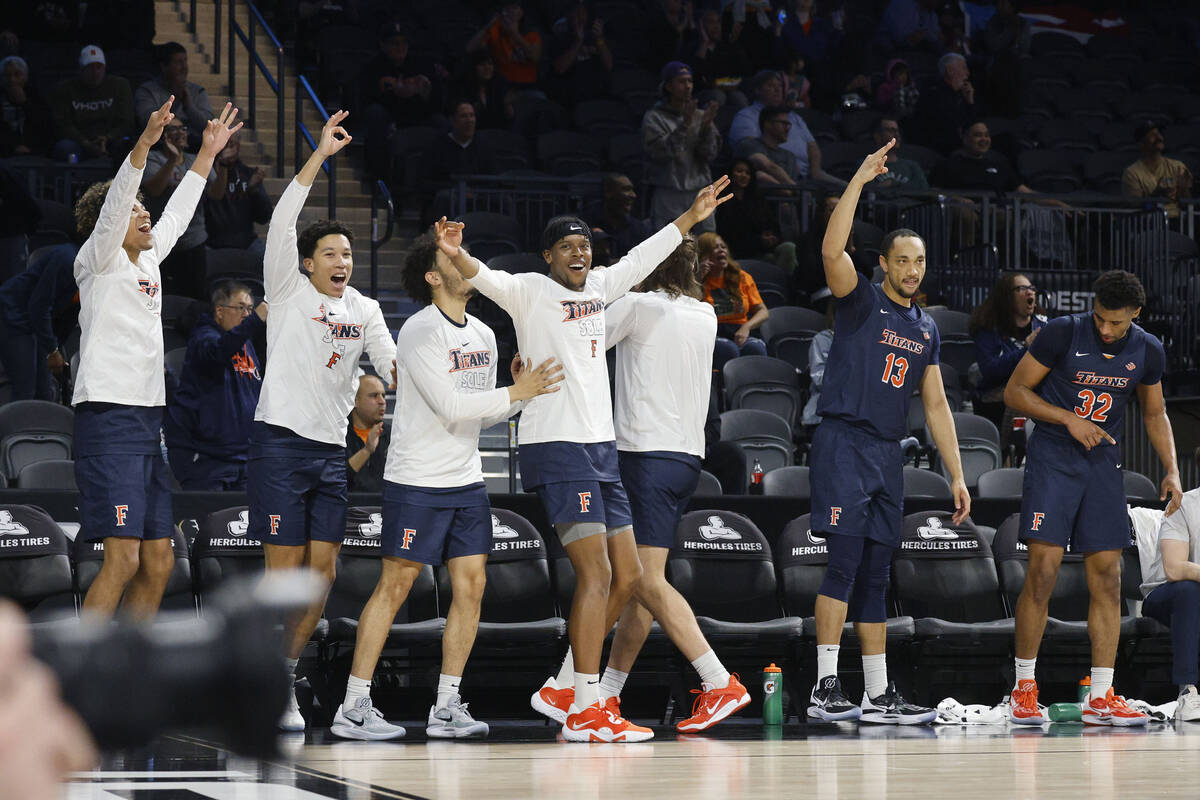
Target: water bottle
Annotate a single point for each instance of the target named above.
(1072, 712)
(772, 695)
(1017, 440)
(756, 478)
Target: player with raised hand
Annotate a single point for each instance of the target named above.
(884, 347)
(1076, 380)
(567, 441)
(124, 490)
(320, 325)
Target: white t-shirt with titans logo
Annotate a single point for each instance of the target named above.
(313, 341)
(445, 394)
(554, 321)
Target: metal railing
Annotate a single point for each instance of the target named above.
(380, 197)
(306, 93)
(531, 200)
(247, 37)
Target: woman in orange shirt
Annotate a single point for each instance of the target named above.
(516, 51)
(734, 296)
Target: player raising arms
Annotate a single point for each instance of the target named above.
(567, 442)
(1076, 380)
(319, 327)
(124, 491)
(435, 504)
(884, 346)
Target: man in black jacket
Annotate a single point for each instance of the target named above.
(366, 439)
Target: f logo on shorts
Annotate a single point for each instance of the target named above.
(585, 501)
(1038, 516)
(835, 512)
(274, 524)
(121, 512)
(409, 534)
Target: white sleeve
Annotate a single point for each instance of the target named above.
(113, 221)
(178, 214)
(639, 262)
(514, 408)
(620, 320)
(426, 365)
(380, 346)
(1175, 526)
(281, 266)
(509, 292)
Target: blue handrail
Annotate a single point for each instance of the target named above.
(275, 82)
(379, 194)
(305, 91)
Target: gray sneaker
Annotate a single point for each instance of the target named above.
(364, 722)
(454, 722)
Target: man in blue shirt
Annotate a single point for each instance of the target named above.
(29, 303)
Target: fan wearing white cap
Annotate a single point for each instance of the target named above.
(93, 111)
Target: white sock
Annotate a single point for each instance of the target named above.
(612, 682)
(875, 678)
(566, 673)
(1025, 668)
(827, 655)
(447, 688)
(1102, 678)
(711, 670)
(587, 690)
(291, 668)
(355, 688)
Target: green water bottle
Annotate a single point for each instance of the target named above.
(772, 695)
(1072, 712)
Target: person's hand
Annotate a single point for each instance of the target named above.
(1171, 486)
(689, 16)
(174, 154)
(710, 112)
(373, 437)
(333, 136)
(449, 235)
(736, 32)
(257, 177)
(217, 132)
(185, 102)
(962, 501)
(1087, 433)
(517, 366)
(708, 199)
(1183, 179)
(392, 385)
(968, 92)
(769, 240)
(532, 382)
(55, 362)
(1033, 335)
(261, 310)
(598, 29)
(157, 123)
(689, 111)
(741, 334)
(873, 165)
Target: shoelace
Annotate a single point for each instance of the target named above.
(1117, 703)
(702, 694)
(1026, 698)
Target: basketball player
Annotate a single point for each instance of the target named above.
(435, 504)
(568, 448)
(320, 325)
(1076, 380)
(884, 348)
(664, 334)
(124, 491)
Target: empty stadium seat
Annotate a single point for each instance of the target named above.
(88, 557)
(35, 570)
(519, 262)
(761, 435)
(765, 383)
(787, 482)
(978, 446)
(489, 234)
(34, 430)
(789, 332)
(926, 483)
(708, 486)
(1006, 482)
(222, 550)
(1053, 171)
(57, 473)
(958, 353)
(173, 360)
(1139, 488)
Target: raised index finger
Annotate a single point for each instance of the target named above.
(883, 150)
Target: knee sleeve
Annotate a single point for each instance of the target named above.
(845, 555)
(569, 532)
(869, 602)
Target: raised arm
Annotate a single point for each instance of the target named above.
(506, 291)
(840, 274)
(1158, 428)
(945, 437)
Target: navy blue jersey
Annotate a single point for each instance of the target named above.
(1091, 378)
(879, 355)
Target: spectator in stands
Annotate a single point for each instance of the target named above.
(949, 107)
(191, 100)
(516, 48)
(30, 302)
(746, 223)
(772, 164)
(797, 89)
(367, 438)
(396, 91)
(1003, 327)
(166, 166)
(897, 95)
(235, 200)
(480, 83)
(806, 33)
(751, 26)
(614, 216)
(1171, 587)
(1154, 175)
(24, 116)
(459, 152)
(810, 269)
(672, 23)
(93, 111)
(903, 173)
(681, 142)
(910, 25)
(975, 166)
(717, 58)
(818, 355)
(580, 58)
(19, 219)
(208, 419)
(734, 296)
(1007, 31)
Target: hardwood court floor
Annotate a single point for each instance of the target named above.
(827, 762)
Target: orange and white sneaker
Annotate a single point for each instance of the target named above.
(1023, 708)
(597, 723)
(552, 701)
(613, 705)
(713, 705)
(1112, 710)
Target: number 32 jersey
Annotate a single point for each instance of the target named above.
(879, 355)
(1093, 379)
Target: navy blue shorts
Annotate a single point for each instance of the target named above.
(857, 483)
(123, 495)
(586, 501)
(659, 486)
(198, 472)
(431, 526)
(297, 498)
(1072, 496)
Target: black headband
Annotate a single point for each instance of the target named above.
(561, 227)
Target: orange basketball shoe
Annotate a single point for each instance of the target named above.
(597, 723)
(714, 705)
(1023, 708)
(552, 701)
(1112, 710)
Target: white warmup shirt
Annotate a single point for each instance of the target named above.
(1183, 526)
(121, 345)
(554, 321)
(313, 341)
(445, 394)
(664, 371)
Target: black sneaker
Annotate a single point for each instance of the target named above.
(890, 708)
(829, 703)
